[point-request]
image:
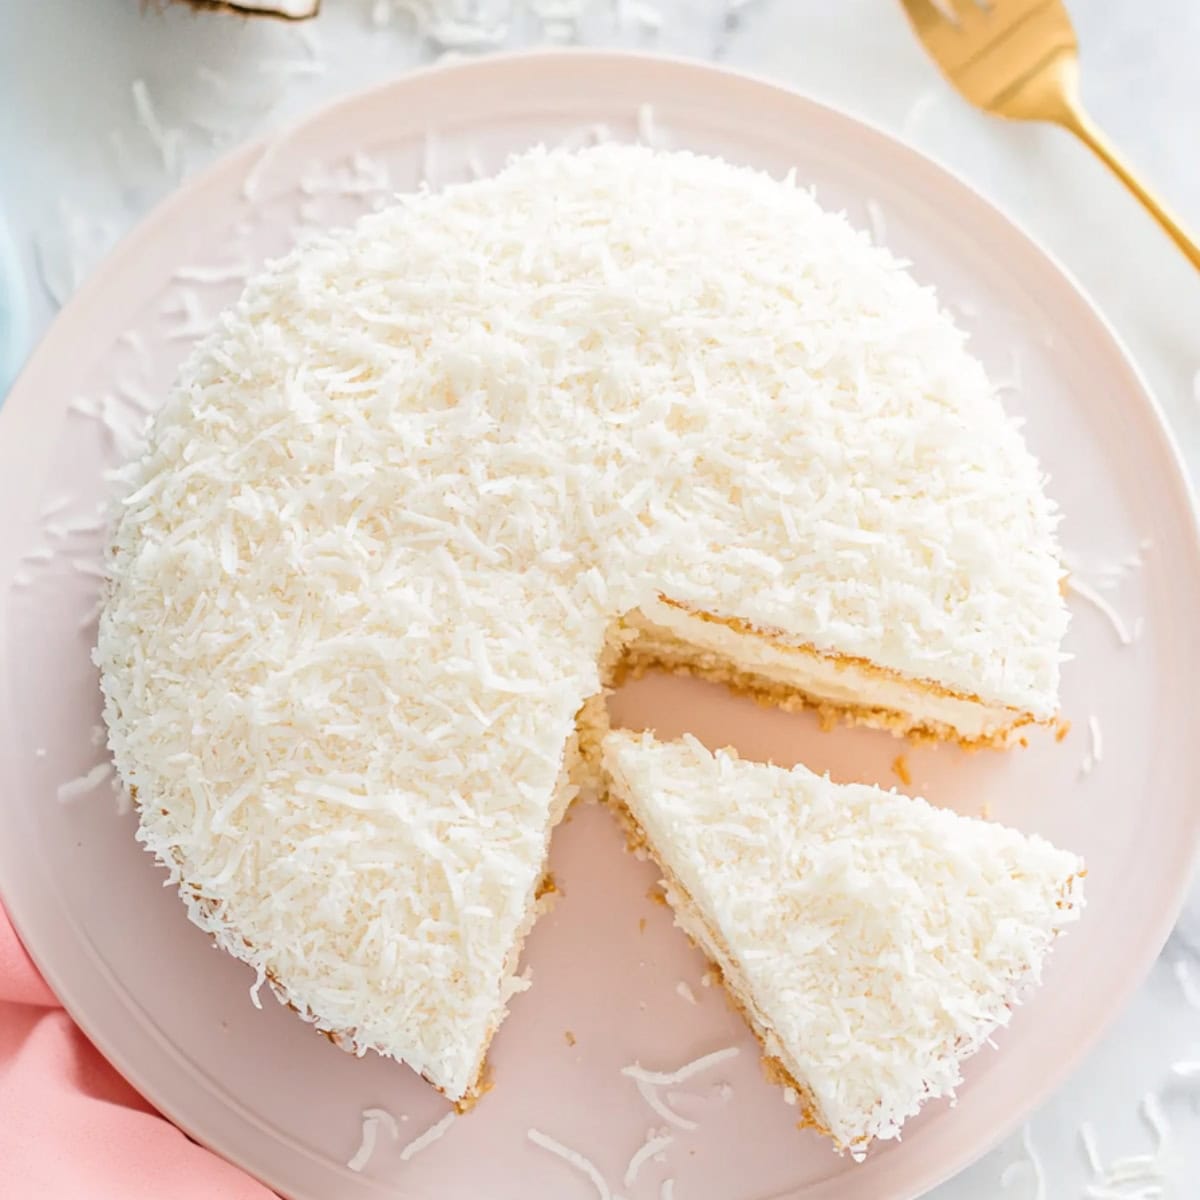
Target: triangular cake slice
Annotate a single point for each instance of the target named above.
(872, 940)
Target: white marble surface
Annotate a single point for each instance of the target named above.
(77, 169)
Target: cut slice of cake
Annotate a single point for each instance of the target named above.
(872, 940)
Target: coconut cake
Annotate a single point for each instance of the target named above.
(436, 479)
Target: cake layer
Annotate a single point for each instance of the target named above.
(779, 670)
(872, 940)
(363, 577)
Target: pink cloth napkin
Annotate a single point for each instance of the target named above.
(70, 1127)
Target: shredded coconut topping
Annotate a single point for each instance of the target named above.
(874, 940)
(363, 575)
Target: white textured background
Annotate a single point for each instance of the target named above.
(77, 169)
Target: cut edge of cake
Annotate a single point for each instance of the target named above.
(733, 655)
(577, 778)
(631, 801)
(637, 645)
(781, 673)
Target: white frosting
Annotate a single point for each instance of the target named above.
(874, 940)
(363, 574)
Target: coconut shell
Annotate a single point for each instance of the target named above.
(281, 10)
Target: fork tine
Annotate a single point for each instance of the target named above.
(990, 50)
(931, 25)
(950, 39)
(969, 14)
(955, 15)
(922, 13)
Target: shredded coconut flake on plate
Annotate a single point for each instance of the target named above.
(657, 1141)
(215, 273)
(372, 1119)
(193, 321)
(430, 1136)
(53, 507)
(649, 1093)
(1095, 753)
(584, 1165)
(85, 783)
(648, 1083)
(680, 1074)
(1086, 592)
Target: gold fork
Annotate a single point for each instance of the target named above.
(1020, 59)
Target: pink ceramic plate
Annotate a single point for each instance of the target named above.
(613, 982)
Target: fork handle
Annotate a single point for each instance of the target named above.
(1072, 116)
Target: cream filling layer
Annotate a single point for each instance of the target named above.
(837, 681)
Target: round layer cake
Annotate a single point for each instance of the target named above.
(432, 481)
